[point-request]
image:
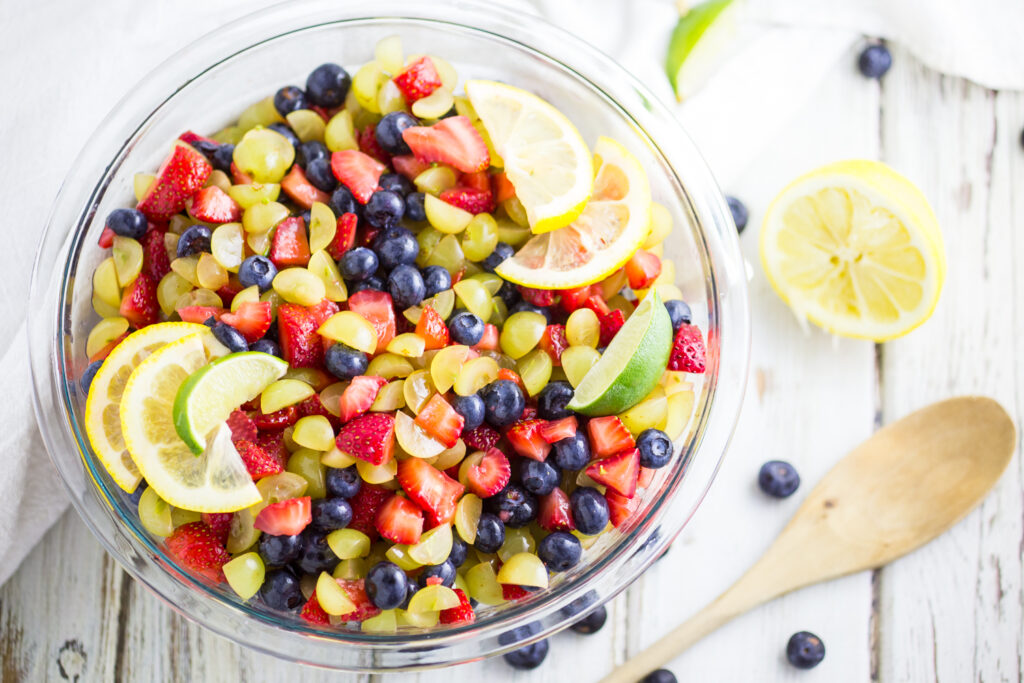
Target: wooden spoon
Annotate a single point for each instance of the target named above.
(908, 483)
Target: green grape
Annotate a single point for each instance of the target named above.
(399, 555)
(315, 432)
(480, 237)
(435, 105)
(428, 239)
(245, 574)
(516, 541)
(181, 516)
(577, 361)
(305, 462)
(299, 286)
(264, 154)
(434, 598)
(365, 85)
(535, 370)
(385, 622)
(243, 534)
(583, 328)
(261, 218)
(254, 193)
(307, 124)
(262, 113)
(434, 545)
(524, 569)
(228, 246)
(521, 333)
(491, 282)
(435, 180)
(448, 254)
(352, 568)
(127, 255)
(512, 234)
(348, 544)
(475, 297)
(211, 274)
(155, 513)
(388, 53)
(340, 133)
(483, 584)
(171, 288)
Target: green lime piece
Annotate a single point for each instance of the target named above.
(632, 364)
(692, 30)
(209, 395)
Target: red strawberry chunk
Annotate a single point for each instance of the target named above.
(469, 199)
(197, 548)
(238, 177)
(646, 477)
(610, 326)
(502, 187)
(257, 461)
(557, 430)
(252, 319)
(314, 406)
(418, 80)
(313, 613)
(213, 205)
(356, 591)
(182, 173)
(554, 343)
(139, 304)
(512, 592)
(357, 171)
(511, 375)
(432, 329)
(289, 246)
(399, 520)
(200, 314)
(107, 236)
(155, 262)
(369, 437)
(365, 504)
(463, 614)
(619, 472)
(554, 512)
(105, 351)
(490, 340)
(377, 308)
(344, 235)
(620, 508)
(441, 421)
(367, 141)
(642, 269)
(276, 420)
(300, 190)
(359, 395)
(219, 523)
(273, 444)
(572, 299)
(191, 138)
(490, 475)
(431, 489)
(322, 311)
(687, 350)
(286, 518)
(538, 297)
(229, 291)
(453, 141)
(609, 436)
(481, 438)
(526, 439)
(595, 302)
(300, 344)
(409, 166)
(242, 428)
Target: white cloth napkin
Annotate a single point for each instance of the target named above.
(783, 49)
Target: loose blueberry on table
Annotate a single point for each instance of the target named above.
(805, 650)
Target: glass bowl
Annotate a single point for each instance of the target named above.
(203, 88)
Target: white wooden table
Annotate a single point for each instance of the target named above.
(950, 612)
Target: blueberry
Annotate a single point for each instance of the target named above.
(552, 399)
(519, 633)
(223, 158)
(343, 201)
(327, 85)
(287, 132)
(471, 408)
(589, 510)
(394, 182)
(310, 151)
(135, 496)
(205, 147)
(559, 551)
(501, 252)
(307, 217)
(593, 622)
(679, 313)
(230, 337)
(444, 571)
(386, 585)
(655, 448)
(509, 293)
(278, 551)
(211, 322)
(358, 264)
(739, 212)
(128, 223)
(257, 270)
(373, 283)
(490, 533)
(389, 132)
(660, 676)
(344, 362)
(331, 513)
(384, 209)
(271, 333)
(436, 279)
(875, 61)
(414, 209)
(539, 477)
(410, 590)
(342, 483)
(529, 657)
(396, 246)
(778, 478)
(457, 557)
(288, 99)
(90, 371)
(405, 284)
(580, 604)
(466, 328)
(503, 402)
(266, 346)
(514, 505)
(528, 307)
(280, 591)
(805, 650)
(316, 555)
(319, 173)
(195, 240)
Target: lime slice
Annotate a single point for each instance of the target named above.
(208, 396)
(697, 44)
(632, 364)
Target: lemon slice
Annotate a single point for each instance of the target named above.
(855, 248)
(103, 406)
(215, 481)
(544, 156)
(611, 228)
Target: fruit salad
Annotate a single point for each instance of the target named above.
(389, 348)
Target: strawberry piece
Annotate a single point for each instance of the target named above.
(490, 475)
(325, 114)
(300, 344)
(453, 141)
(526, 439)
(501, 187)
(155, 262)
(418, 80)
(463, 614)
(219, 523)
(377, 308)
(441, 421)
(642, 269)
(365, 504)
(469, 199)
(356, 591)
(229, 291)
(182, 173)
(369, 437)
(490, 340)
(344, 235)
(687, 350)
(273, 444)
(399, 520)
(192, 138)
(106, 240)
(200, 314)
(286, 518)
(553, 342)
(252, 319)
(479, 181)
(257, 461)
(357, 171)
(646, 477)
(609, 436)
(139, 304)
(300, 190)
(359, 395)
(409, 166)
(313, 613)
(238, 177)
(557, 430)
(554, 513)
(538, 297)
(595, 302)
(513, 592)
(289, 246)
(481, 438)
(432, 328)
(322, 311)
(505, 373)
(195, 546)
(242, 428)
(275, 421)
(620, 508)
(368, 145)
(213, 205)
(314, 406)
(618, 472)
(431, 489)
(572, 299)
(610, 326)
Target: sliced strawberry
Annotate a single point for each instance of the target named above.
(300, 190)
(553, 343)
(359, 395)
(300, 344)
(432, 329)
(409, 166)
(322, 311)
(369, 437)
(286, 518)
(620, 508)
(687, 350)
(356, 591)
(276, 420)
(431, 489)
(610, 326)
(106, 240)
(526, 439)
(557, 430)
(252, 319)
(572, 299)
(313, 613)
(155, 262)
(200, 314)
(105, 351)
(139, 304)
(399, 520)
(595, 302)
(314, 406)
(440, 420)
(619, 472)
(257, 461)
(357, 171)
(463, 614)
(229, 291)
(554, 513)
(511, 375)
(642, 269)
(192, 138)
(377, 308)
(481, 438)
(325, 114)
(289, 246)
(538, 297)
(213, 205)
(182, 173)
(469, 199)
(511, 591)
(453, 141)
(238, 177)
(490, 340)
(272, 443)
(365, 504)
(344, 235)
(368, 145)
(418, 80)
(242, 428)
(501, 187)
(196, 547)
(490, 475)
(219, 523)
(609, 436)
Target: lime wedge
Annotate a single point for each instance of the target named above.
(631, 365)
(698, 42)
(208, 396)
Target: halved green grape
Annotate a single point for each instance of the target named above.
(661, 225)
(433, 598)
(306, 463)
(248, 196)
(448, 254)
(679, 408)
(261, 218)
(324, 267)
(181, 516)
(467, 517)
(446, 365)
(155, 513)
(388, 53)
(314, 377)
(299, 286)
(428, 239)
(247, 295)
(391, 397)
(331, 395)
(227, 243)
(179, 224)
(512, 234)
(264, 154)
(103, 309)
(613, 284)
(332, 597)
(483, 584)
(322, 226)
(307, 584)
(198, 297)
(186, 267)
(435, 180)
(259, 243)
(407, 344)
(446, 217)
(415, 440)
(141, 183)
(390, 98)
(127, 256)
(104, 283)
(399, 555)
(348, 544)
(229, 135)
(524, 569)
(365, 84)
(516, 541)
(445, 71)
(340, 133)
(475, 375)
(450, 456)
(417, 390)
(417, 619)
(104, 332)
(621, 303)
(245, 574)
(350, 328)
(577, 361)
(651, 412)
(583, 328)
(389, 366)
(499, 314)
(219, 179)
(515, 210)
(377, 474)
(463, 107)
(443, 302)
(242, 534)
(535, 370)
(210, 273)
(172, 286)
(460, 583)
(521, 333)
(435, 105)
(314, 431)
(480, 237)
(336, 458)
(262, 113)
(491, 282)
(434, 545)
(385, 622)
(351, 569)
(284, 393)
(475, 297)
(307, 124)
